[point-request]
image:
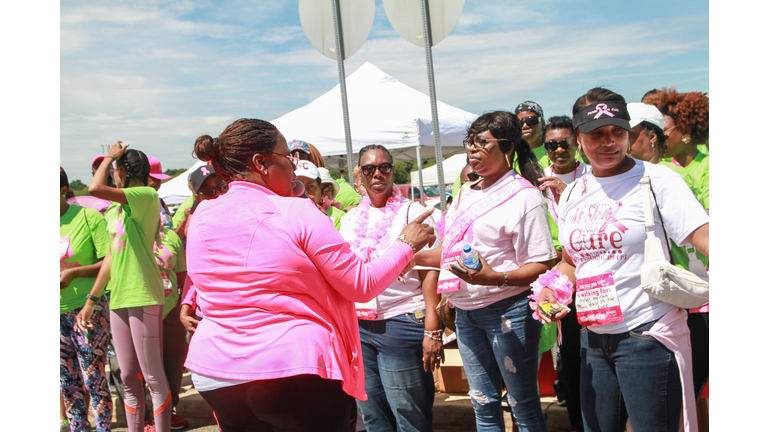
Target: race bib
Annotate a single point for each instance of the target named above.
(597, 302)
(366, 311)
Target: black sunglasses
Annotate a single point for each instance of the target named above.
(553, 145)
(531, 121)
(473, 176)
(384, 168)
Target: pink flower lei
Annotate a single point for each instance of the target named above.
(367, 238)
(557, 282)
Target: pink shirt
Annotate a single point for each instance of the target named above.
(276, 284)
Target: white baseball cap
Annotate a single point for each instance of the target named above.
(305, 168)
(640, 112)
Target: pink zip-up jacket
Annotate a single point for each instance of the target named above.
(276, 285)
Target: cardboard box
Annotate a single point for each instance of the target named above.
(450, 378)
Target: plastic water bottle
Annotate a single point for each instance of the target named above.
(165, 219)
(469, 257)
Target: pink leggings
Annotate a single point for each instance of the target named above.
(137, 334)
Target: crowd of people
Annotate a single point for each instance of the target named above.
(300, 302)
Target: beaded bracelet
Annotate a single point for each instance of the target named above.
(505, 280)
(408, 243)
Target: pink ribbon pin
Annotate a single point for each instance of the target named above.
(204, 170)
(602, 109)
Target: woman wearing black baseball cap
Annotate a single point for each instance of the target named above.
(635, 357)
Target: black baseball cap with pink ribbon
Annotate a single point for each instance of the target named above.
(198, 176)
(600, 114)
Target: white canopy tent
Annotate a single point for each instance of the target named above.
(382, 110)
(451, 169)
(175, 190)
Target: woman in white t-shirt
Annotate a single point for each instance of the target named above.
(399, 329)
(503, 217)
(629, 356)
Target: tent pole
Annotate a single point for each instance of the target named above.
(421, 176)
(433, 100)
(343, 86)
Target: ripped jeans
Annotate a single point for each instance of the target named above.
(501, 342)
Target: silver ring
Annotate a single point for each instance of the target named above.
(438, 357)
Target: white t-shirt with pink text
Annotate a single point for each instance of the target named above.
(602, 228)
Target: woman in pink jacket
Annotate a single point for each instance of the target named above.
(276, 285)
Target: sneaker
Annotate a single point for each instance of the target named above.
(560, 392)
(178, 422)
(149, 428)
(64, 426)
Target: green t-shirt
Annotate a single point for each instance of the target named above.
(179, 215)
(347, 195)
(335, 215)
(696, 176)
(134, 275)
(541, 157)
(171, 258)
(83, 242)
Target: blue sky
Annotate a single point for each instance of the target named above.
(157, 74)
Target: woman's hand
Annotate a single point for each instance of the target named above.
(555, 184)
(433, 353)
(483, 276)
(66, 277)
(419, 233)
(116, 150)
(83, 319)
(188, 318)
(547, 296)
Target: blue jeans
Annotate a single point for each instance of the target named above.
(630, 368)
(501, 342)
(400, 392)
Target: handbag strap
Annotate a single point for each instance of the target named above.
(645, 183)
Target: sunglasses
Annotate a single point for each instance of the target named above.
(480, 143)
(294, 161)
(214, 192)
(473, 176)
(531, 121)
(384, 168)
(553, 145)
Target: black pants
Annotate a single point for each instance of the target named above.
(570, 355)
(698, 323)
(292, 404)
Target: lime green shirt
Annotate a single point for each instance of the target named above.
(179, 215)
(347, 195)
(135, 279)
(171, 258)
(696, 176)
(83, 242)
(335, 215)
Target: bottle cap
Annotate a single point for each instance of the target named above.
(467, 247)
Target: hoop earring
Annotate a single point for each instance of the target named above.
(507, 157)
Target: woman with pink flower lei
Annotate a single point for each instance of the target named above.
(399, 329)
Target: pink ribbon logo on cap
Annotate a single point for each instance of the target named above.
(602, 109)
(204, 170)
